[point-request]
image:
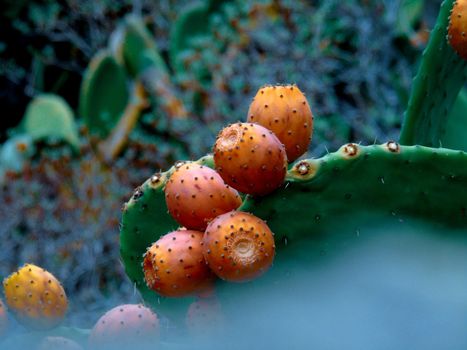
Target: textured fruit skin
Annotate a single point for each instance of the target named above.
(250, 158)
(457, 30)
(284, 109)
(196, 194)
(3, 319)
(124, 324)
(61, 343)
(204, 316)
(36, 297)
(174, 266)
(238, 246)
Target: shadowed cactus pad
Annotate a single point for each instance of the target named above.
(36, 297)
(333, 196)
(61, 343)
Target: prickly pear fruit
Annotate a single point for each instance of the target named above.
(196, 194)
(36, 297)
(123, 325)
(58, 343)
(238, 246)
(204, 316)
(250, 158)
(285, 111)
(457, 30)
(174, 266)
(3, 319)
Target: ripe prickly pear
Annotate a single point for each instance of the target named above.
(285, 111)
(457, 30)
(36, 297)
(196, 194)
(238, 246)
(58, 343)
(3, 319)
(123, 325)
(250, 158)
(174, 266)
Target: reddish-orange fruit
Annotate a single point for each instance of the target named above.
(238, 246)
(204, 316)
(174, 266)
(457, 30)
(36, 297)
(196, 194)
(285, 111)
(124, 325)
(250, 158)
(3, 319)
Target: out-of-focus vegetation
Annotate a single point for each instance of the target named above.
(61, 197)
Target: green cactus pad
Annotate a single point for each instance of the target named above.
(455, 136)
(104, 94)
(136, 45)
(336, 193)
(49, 117)
(192, 22)
(441, 75)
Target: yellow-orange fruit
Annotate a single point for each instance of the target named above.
(284, 110)
(124, 325)
(3, 319)
(196, 194)
(36, 297)
(250, 158)
(174, 266)
(457, 30)
(238, 246)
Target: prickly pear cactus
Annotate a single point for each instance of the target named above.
(441, 75)
(36, 297)
(339, 193)
(49, 117)
(104, 94)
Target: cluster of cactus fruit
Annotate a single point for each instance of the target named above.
(298, 200)
(228, 204)
(216, 239)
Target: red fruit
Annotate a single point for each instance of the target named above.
(285, 111)
(204, 316)
(196, 194)
(238, 246)
(250, 158)
(3, 319)
(58, 343)
(174, 266)
(123, 325)
(457, 30)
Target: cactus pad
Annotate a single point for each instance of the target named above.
(104, 94)
(335, 194)
(441, 75)
(48, 116)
